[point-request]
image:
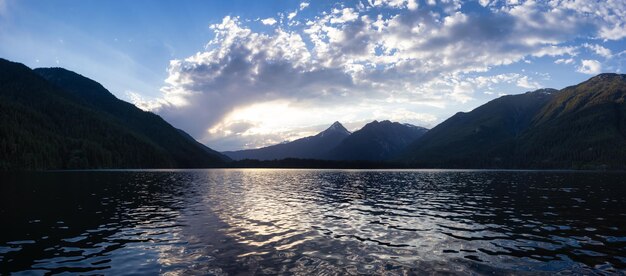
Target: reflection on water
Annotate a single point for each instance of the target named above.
(312, 222)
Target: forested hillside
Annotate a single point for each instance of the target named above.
(579, 127)
(65, 121)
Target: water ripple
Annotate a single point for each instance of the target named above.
(313, 222)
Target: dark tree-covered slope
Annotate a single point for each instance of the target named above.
(65, 121)
(484, 137)
(580, 127)
(376, 141)
(583, 126)
(177, 143)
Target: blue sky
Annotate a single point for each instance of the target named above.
(244, 74)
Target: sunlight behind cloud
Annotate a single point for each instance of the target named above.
(267, 117)
(388, 55)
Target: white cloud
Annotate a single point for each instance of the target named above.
(144, 103)
(403, 115)
(524, 82)
(243, 134)
(616, 32)
(591, 67)
(240, 68)
(604, 18)
(388, 3)
(344, 15)
(554, 51)
(266, 123)
(303, 5)
(607, 16)
(409, 55)
(598, 50)
(564, 61)
(250, 127)
(292, 15)
(269, 21)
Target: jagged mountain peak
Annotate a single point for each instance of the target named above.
(375, 122)
(307, 147)
(376, 141)
(336, 127)
(381, 124)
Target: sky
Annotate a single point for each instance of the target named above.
(246, 74)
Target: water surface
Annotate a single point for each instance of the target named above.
(312, 222)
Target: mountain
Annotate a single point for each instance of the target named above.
(176, 142)
(312, 147)
(56, 119)
(581, 126)
(376, 141)
(486, 135)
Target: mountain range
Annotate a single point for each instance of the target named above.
(52, 118)
(376, 141)
(581, 126)
(312, 147)
(487, 134)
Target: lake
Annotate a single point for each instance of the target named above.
(249, 221)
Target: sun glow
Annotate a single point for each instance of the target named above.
(265, 118)
(272, 122)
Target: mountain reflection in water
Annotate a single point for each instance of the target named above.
(312, 222)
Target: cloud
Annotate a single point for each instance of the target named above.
(590, 66)
(292, 15)
(616, 32)
(240, 68)
(343, 16)
(461, 89)
(564, 61)
(268, 21)
(249, 126)
(267, 123)
(304, 5)
(144, 103)
(404, 115)
(383, 51)
(524, 82)
(598, 50)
